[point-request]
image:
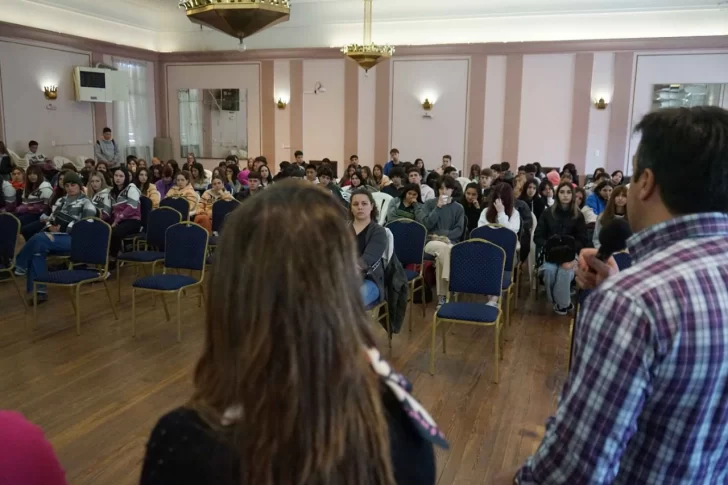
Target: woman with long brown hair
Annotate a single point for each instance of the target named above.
(501, 209)
(289, 388)
(616, 209)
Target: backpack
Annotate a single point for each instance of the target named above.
(559, 249)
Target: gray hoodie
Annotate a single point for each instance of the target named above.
(448, 220)
(107, 151)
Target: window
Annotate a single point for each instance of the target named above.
(134, 122)
(190, 121)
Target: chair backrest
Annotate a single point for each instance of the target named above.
(500, 236)
(158, 222)
(410, 238)
(59, 162)
(382, 200)
(623, 259)
(390, 246)
(9, 231)
(186, 246)
(220, 210)
(90, 240)
(145, 207)
(477, 266)
(464, 181)
(18, 160)
(177, 203)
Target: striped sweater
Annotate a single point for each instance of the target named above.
(102, 202)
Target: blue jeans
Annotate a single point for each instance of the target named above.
(369, 293)
(558, 283)
(32, 258)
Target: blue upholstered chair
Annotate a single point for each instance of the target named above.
(410, 238)
(476, 267)
(179, 204)
(220, 210)
(623, 260)
(159, 221)
(507, 240)
(145, 207)
(9, 232)
(186, 249)
(90, 240)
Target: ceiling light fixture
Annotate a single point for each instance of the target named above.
(238, 18)
(367, 55)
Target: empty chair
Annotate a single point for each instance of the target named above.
(410, 238)
(507, 240)
(177, 203)
(185, 249)
(158, 222)
(476, 267)
(90, 240)
(9, 232)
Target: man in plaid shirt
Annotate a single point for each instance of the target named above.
(646, 401)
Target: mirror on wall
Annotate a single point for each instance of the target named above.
(213, 123)
(688, 95)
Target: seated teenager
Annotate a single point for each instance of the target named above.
(103, 168)
(290, 388)
(501, 209)
(243, 174)
(231, 178)
(356, 181)
(326, 180)
(31, 228)
(184, 189)
(444, 219)
(69, 209)
(380, 179)
(34, 157)
(474, 173)
(146, 187)
(99, 193)
(255, 186)
(204, 208)
(414, 177)
(367, 177)
(617, 177)
(371, 240)
(599, 173)
(485, 180)
(141, 163)
(166, 183)
(265, 177)
(346, 179)
(398, 179)
(311, 173)
(562, 219)
(199, 178)
(546, 192)
(131, 166)
(126, 213)
(616, 209)
(471, 206)
(531, 197)
(7, 204)
(89, 166)
(409, 206)
(17, 178)
(597, 202)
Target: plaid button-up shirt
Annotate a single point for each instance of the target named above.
(646, 401)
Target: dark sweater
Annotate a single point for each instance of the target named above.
(561, 223)
(183, 450)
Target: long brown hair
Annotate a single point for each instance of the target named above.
(504, 192)
(285, 341)
(610, 211)
(40, 178)
(573, 208)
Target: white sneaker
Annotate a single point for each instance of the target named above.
(20, 271)
(441, 301)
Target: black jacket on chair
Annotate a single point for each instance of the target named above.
(559, 222)
(372, 259)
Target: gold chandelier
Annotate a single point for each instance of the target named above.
(238, 18)
(367, 55)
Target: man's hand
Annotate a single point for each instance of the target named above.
(54, 228)
(591, 272)
(569, 266)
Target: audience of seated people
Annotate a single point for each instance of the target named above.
(209, 197)
(408, 206)
(126, 215)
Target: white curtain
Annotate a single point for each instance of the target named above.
(133, 121)
(190, 121)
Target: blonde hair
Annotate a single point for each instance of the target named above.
(90, 192)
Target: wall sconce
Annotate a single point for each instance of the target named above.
(50, 92)
(427, 105)
(600, 104)
(281, 104)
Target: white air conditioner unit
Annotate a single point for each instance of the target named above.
(98, 85)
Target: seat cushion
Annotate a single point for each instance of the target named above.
(67, 277)
(141, 256)
(507, 279)
(164, 282)
(411, 274)
(470, 312)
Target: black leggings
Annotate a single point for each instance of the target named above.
(31, 229)
(122, 230)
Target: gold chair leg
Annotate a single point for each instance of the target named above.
(202, 295)
(35, 304)
(424, 302)
(73, 300)
(78, 309)
(133, 312)
(179, 316)
(17, 288)
(444, 327)
(164, 304)
(111, 301)
(497, 351)
(432, 348)
(510, 309)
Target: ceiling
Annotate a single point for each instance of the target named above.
(160, 26)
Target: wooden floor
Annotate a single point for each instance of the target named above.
(97, 396)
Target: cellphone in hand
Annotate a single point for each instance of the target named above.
(445, 199)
